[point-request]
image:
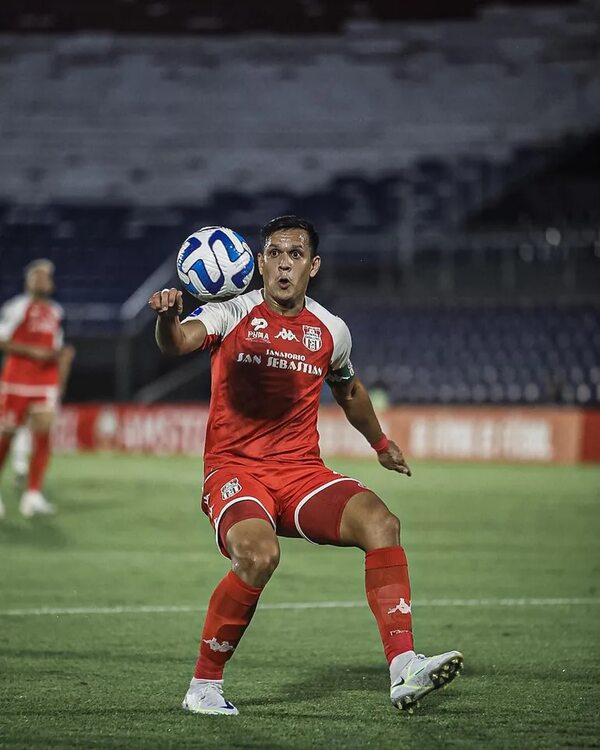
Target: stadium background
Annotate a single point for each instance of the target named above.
(448, 155)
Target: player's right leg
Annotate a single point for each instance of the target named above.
(12, 411)
(241, 512)
(6, 436)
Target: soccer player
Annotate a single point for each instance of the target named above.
(271, 350)
(35, 371)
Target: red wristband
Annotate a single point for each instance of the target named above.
(381, 445)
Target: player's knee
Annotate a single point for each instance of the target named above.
(386, 528)
(255, 560)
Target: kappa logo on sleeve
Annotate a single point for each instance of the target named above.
(231, 488)
(312, 338)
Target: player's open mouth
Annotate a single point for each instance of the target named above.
(284, 283)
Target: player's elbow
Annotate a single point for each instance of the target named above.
(168, 348)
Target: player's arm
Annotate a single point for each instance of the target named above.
(173, 336)
(65, 362)
(354, 399)
(38, 353)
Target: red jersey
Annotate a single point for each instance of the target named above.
(267, 371)
(25, 320)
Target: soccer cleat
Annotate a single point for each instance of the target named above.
(421, 675)
(206, 697)
(34, 503)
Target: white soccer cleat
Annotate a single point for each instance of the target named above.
(206, 697)
(34, 503)
(415, 678)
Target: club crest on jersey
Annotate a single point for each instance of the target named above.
(231, 488)
(312, 338)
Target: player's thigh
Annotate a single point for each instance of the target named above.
(41, 417)
(230, 496)
(368, 523)
(316, 502)
(42, 411)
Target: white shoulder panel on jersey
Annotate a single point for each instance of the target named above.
(58, 309)
(220, 318)
(12, 315)
(340, 333)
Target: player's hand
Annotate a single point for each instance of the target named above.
(42, 353)
(67, 353)
(393, 460)
(168, 303)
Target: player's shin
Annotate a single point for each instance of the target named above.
(4, 446)
(230, 611)
(388, 593)
(39, 460)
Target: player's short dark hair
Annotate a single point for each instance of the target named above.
(290, 222)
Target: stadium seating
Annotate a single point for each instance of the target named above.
(479, 355)
(150, 120)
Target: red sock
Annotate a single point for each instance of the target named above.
(230, 610)
(4, 446)
(39, 460)
(388, 594)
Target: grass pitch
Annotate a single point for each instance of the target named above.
(130, 534)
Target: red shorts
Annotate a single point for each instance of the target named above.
(17, 402)
(298, 501)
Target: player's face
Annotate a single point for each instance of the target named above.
(40, 282)
(286, 266)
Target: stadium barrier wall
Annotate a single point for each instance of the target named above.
(541, 435)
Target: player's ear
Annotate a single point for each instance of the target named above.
(315, 264)
(261, 262)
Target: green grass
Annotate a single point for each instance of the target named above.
(130, 532)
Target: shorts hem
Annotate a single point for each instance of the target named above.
(226, 507)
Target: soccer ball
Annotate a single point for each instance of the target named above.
(215, 263)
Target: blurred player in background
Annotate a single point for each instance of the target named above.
(35, 372)
(271, 351)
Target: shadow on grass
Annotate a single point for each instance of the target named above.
(42, 532)
(332, 682)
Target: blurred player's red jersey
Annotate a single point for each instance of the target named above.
(24, 320)
(267, 373)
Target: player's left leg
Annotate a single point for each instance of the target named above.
(33, 502)
(368, 524)
(21, 452)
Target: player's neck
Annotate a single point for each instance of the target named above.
(289, 309)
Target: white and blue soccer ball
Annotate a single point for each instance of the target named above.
(215, 263)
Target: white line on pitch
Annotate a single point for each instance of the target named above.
(158, 609)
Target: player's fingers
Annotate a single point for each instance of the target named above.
(154, 301)
(164, 300)
(179, 302)
(172, 297)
